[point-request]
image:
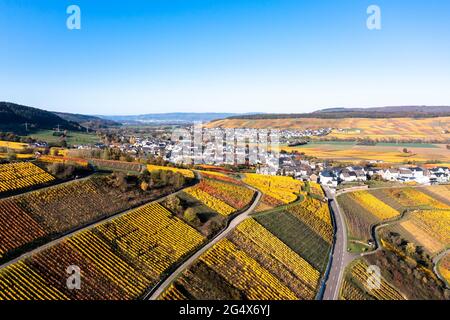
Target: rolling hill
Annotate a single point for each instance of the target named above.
(389, 124)
(18, 118)
(174, 117)
(87, 121)
(341, 113)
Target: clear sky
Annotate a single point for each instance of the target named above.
(149, 56)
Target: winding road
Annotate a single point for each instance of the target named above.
(436, 261)
(157, 290)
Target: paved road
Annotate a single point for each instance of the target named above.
(236, 220)
(79, 230)
(436, 260)
(340, 258)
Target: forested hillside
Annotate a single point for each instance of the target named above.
(18, 119)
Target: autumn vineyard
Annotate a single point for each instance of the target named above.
(127, 232)
(16, 176)
(225, 159)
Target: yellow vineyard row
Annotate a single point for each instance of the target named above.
(14, 176)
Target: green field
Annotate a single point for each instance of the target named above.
(73, 138)
(407, 145)
(335, 142)
(316, 143)
(357, 247)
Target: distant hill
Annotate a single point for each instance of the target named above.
(15, 118)
(91, 122)
(175, 117)
(390, 124)
(341, 113)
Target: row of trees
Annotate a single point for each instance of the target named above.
(9, 136)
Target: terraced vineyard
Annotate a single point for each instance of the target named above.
(44, 214)
(151, 227)
(219, 176)
(363, 209)
(245, 273)
(221, 196)
(305, 227)
(62, 159)
(439, 192)
(429, 228)
(316, 215)
(185, 172)
(250, 264)
(358, 287)
(17, 280)
(17, 228)
(116, 165)
(414, 198)
(276, 255)
(316, 189)
(351, 291)
(13, 145)
(19, 156)
(172, 293)
(358, 220)
(236, 196)
(277, 190)
(210, 201)
(278, 187)
(374, 206)
(407, 244)
(22, 175)
(118, 259)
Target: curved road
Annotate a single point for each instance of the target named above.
(156, 292)
(340, 257)
(436, 261)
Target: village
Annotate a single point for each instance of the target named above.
(283, 163)
(262, 151)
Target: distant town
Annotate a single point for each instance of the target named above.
(275, 162)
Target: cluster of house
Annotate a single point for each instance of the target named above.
(292, 165)
(39, 144)
(334, 176)
(307, 170)
(288, 135)
(417, 174)
(147, 146)
(219, 146)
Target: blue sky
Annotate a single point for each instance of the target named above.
(150, 56)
